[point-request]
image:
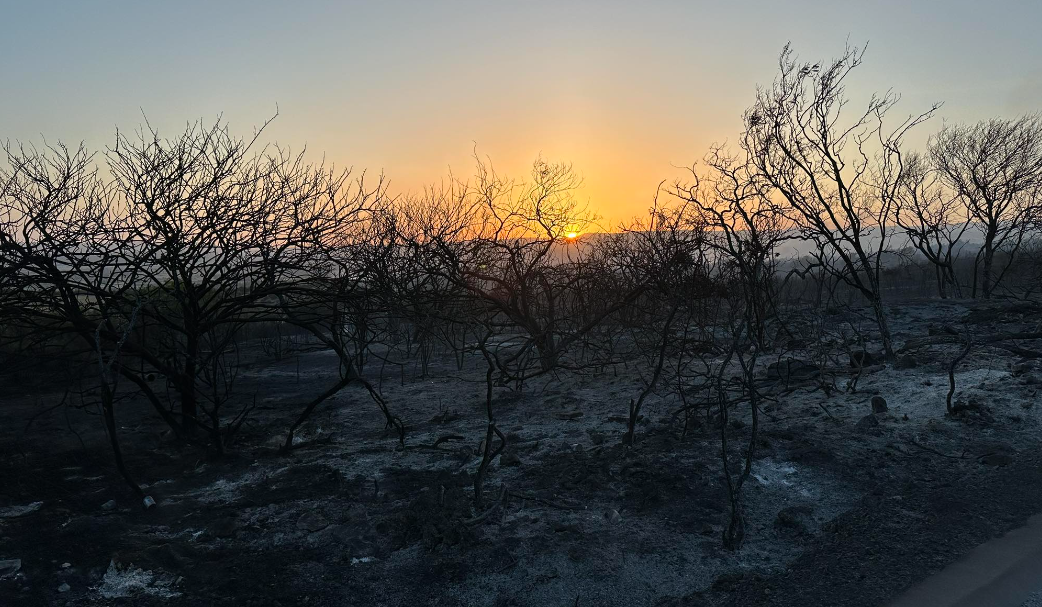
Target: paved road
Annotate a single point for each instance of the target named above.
(1004, 572)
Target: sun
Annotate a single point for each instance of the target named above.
(571, 235)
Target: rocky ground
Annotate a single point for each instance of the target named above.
(845, 507)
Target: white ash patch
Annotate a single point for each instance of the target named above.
(123, 582)
(17, 511)
(225, 490)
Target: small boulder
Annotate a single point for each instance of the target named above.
(613, 516)
(226, 528)
(795, 519)
(64, 587)
(997, 459)
(109, 505)
(868, 422)
(563, 527)
(312, 522)
(509, 458)
(569, 415)
(445, 417)
(906, 362)
(879, 404)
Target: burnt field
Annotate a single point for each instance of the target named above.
(808, 374)
(842, 506)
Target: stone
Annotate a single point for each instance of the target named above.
(997, 459)
(613, 516)
(569, 415)
(109, 505)
(10, 567)
(445, 417)
(64, 587)
(1019, 368)
(795, 519)
(906, 362)
(868, 422)
(226, 528)
(728, 582)
(596, 437)
(509, 458)
(879, 404)
(312, 522)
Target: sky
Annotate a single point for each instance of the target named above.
(629, 92)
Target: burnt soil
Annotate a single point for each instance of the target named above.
(837, 513)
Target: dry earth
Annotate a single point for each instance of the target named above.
(840, 511)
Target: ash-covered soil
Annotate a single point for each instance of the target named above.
(843, 508)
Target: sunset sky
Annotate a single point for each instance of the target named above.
(626, 91)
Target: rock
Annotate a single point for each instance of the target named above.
(445, 417)
(868, 422)
(933, 329)
(226, 528)
(879, 405)
(64, 587)
(569, 415)
(509, 458)
(728, 582)
(597, 438)
(148, 502)
(997, 459)
(66, 565)
(312, 522)
(10, 567)
(1019, 368)
(906, 362)
(794, 518)
(613, 516)
(109, 505)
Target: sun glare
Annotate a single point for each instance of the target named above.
(571, 235)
